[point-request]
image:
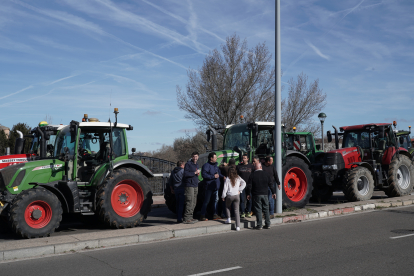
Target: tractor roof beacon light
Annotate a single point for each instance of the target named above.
(409, 129)
(294, 129)
(85, 118)
(116, 115)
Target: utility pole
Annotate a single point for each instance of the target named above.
(278, 112)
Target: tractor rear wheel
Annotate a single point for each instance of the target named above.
(296, 183)
(358, 184)
(35, 213)
(400, 177)
(124, 199)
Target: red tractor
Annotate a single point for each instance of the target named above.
(43, 133)
(369, 158)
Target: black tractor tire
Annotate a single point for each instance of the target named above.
(35, 213)
(321, 193)
(358, 184)
(169, 198)
(116, 195)
(400, 177)
(296, 168)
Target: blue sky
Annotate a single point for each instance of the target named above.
(66, 58)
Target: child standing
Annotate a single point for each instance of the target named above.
(233, 185)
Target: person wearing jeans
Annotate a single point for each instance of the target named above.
(211, 175)
(244, 170)
(233, 185)
(271, 171)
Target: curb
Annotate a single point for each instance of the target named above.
(190, 232)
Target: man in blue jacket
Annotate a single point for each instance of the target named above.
(178, 188)
(211, 175)
(190, 181)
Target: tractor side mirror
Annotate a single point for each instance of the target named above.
(73, 127)
(401, 140)
(318, 147)
(133, 149)
(329, 136)
(381, 133)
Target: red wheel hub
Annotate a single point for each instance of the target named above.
(127, 198)
(38, 214)
(295, 184)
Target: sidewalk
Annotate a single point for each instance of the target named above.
(23, 248)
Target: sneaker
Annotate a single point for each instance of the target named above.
(237, 228)
(258, 227)
(272, 216)
(203, 218)
(242, 215)
(195, 220)
(248, 215)
(188, 222)
(228, 221)
(216, 217)
(266, 227)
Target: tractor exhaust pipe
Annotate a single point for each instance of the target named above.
(18, 147)
(336, 138)
(213, 139)
(42, 143)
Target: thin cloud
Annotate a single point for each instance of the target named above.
(17, 92)
(151, 113)
(317, 51)
(59, 80)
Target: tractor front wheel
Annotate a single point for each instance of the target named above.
(358, 184)
(35, 213)
(296, 183)
(400, 177)
(124, 199)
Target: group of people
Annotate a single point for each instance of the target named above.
(248, 187)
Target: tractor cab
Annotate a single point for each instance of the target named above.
(303, 142)
(404, 140)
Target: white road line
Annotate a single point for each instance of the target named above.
(216, 271)
(401, 236)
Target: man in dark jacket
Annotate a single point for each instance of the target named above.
(190, 181)
(211, 175)
(271, 171)
(244, 170)
(257, 185)
(178, 188)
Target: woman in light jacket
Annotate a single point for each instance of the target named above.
(233, 185)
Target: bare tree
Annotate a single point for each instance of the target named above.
(303, 102)
(236, 81)
(49, 119)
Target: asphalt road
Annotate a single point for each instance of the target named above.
(380, 242)
(78, 224)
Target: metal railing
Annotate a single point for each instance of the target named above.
(160, 168)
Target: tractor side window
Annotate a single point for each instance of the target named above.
(350, 140)
(237, 136)
(309, 142)
(118, 142)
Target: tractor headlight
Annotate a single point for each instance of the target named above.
(329, 167)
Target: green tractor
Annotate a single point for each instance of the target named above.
(89, 173)
(303, 142)
(404, 141)
(256, 139)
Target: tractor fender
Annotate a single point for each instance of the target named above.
(406, 153)
(51, 187)
(134, 164)
(299, 155)
(369, 167)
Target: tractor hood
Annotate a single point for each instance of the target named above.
(345, 151)
(8, 160)
(22, 176)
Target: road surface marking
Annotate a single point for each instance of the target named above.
(217, 271)
(402, 236)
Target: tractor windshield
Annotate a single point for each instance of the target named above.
(404, 141)
(237, 135)
(356, 138)
(264, 141)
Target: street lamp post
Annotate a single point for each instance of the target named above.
(322, 117)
